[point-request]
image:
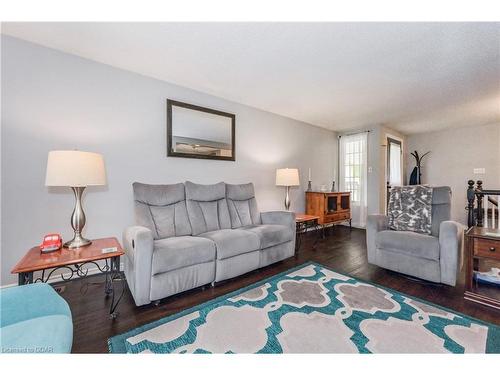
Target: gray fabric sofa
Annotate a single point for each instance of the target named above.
(432, 257)
(189, 235)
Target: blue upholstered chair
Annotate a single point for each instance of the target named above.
(34, 319)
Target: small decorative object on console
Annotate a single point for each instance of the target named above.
(309, 181)
(108, 250)
(492, 234)
(51, 242)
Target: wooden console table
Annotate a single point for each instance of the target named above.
(481, 245)
(331, 207)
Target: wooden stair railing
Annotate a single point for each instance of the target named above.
(482, 212)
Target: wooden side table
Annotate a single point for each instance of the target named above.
(481, 244)
(75, 263)
(302, 224)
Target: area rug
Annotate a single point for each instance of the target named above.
(312, 309)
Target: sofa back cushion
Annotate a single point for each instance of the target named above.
(242, 205)
(207, 207)
(162, 209)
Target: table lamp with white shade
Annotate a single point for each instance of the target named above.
(287, 177)
(77, 170)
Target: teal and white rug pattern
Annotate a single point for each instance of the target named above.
(311, 309)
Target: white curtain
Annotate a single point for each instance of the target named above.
(353, 174)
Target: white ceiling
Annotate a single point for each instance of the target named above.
(413, 77)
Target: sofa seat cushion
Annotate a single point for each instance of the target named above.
(271, 234)
(232, 242)
(409, 243)
(177, 252)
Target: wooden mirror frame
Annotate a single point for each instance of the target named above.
(171, 152)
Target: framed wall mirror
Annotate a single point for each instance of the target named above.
(199, 132)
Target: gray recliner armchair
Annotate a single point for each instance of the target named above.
(433, 257)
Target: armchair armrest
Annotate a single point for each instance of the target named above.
(278, 217)
(377, 223)
(138, 246)
(374, 224)
(450, 246)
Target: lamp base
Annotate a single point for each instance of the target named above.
(77, 221)
(77, 241)
(287, 199)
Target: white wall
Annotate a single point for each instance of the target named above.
(454, 154)
(52, 100)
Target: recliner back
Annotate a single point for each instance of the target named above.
(162, 209)
(441, 207)
(207, 207)
(242, 205)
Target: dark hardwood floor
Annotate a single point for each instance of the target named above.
(342, 250)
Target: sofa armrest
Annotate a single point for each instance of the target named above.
(450, 246)
(278, 217)
(374, 224)
(138, 246)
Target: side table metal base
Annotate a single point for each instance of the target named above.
(301, 230)
(111, 270)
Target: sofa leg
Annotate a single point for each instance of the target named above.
(157, 302)
(212, 284)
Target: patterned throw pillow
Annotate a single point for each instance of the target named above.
(410, 208)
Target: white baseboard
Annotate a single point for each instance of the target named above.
(58, 278)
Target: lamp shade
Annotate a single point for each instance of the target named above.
(75, 169)
(287, 177)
